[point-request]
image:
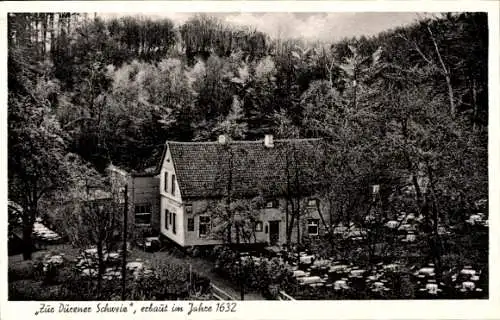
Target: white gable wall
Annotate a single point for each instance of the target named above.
(166, 190)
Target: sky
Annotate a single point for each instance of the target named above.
(323, 26)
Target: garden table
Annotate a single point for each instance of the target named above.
(427, 271)
(432, 288)
(340, 284)
(468, 286)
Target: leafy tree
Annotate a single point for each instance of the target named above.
(235, 224)
(233, 125)
(204, 35)
(36, 146)
(427, 141)
(213, 95)
(147, 105)
(141, 38)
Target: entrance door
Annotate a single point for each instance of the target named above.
(274, 232)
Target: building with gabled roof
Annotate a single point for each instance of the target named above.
(174, 198)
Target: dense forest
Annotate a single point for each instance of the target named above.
(84, 92)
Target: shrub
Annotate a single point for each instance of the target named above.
(50, 273)
(22, 271)
(166, 282)
(266, 276)
(195, 252)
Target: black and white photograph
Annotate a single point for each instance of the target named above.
(247, 156)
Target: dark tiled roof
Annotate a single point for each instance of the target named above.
(205, 169)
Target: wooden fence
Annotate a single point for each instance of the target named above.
(220, 294)
(284, 297)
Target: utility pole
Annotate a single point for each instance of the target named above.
(124, 248)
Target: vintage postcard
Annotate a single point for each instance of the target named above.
(267, 160)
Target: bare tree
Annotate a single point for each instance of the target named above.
(94, 218)
(438, 65)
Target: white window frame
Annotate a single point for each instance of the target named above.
(272, 204)
(312, 203)
(143, 213)
(261, 224)
(313, 223)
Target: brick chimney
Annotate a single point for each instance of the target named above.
(268, 141)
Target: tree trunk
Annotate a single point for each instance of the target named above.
(291, 222)
(327, 227)
(44, 34)
(237, 234)
(51, 30)
(35, 35)
(286, 224)
(330, 214)
(100, 270)
(474, 104)
(229, 194)
(446, 72)
(27, 239)
(69, 23)
(297, 191)
(450, 94)
(436, 240)
(435, 218)
(124, 242)
(298, 223)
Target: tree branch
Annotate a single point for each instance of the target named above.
(417, 48)
(445, 70)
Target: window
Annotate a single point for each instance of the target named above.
(312, 227)
(312, 203)
(143, 213)
(188, 208)
(273, 203)
(258, 226)
(169, 217)
(173, 184)
(173, 222)
(166, 219)
(165, 182)
(190, 224)
(143, 208)
(204, 227)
